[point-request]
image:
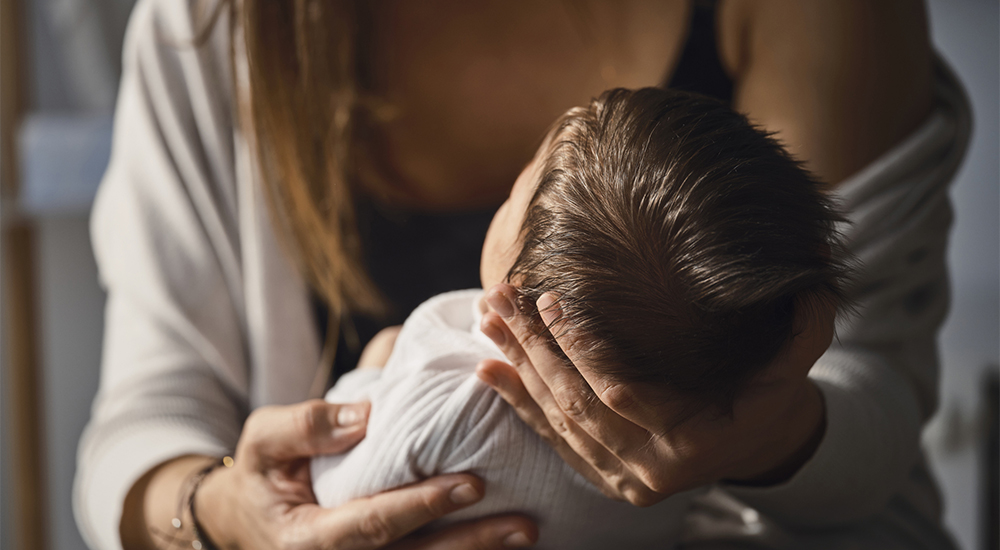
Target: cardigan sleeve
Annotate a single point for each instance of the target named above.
(164, 228)
(879, 379)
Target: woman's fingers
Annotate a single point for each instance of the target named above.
(301, 430)
(560, 422)
(587, 435)
(564, 395)
(379, 520)
(279, 508)
(493, 533)
(618, 397)
(504, 379)
(587, 456)
(622, 451)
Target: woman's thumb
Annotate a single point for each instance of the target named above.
(305, 429)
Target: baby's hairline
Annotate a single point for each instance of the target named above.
(607, 126)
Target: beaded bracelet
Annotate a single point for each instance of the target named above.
(185, 501)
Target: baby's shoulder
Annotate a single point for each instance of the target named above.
(435, 414)
(428, 404)
(442, 334)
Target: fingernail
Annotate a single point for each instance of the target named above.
(492, 332)
(517, 539)
(352, 414)
(487, 378)
(499, 302)
(464, 494)
(548, 309)
(347, 433)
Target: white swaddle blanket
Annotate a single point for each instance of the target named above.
(431, 415)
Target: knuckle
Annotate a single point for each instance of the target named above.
(617, 397)
(512, 349)
(610, 491)
(255, 418)
(253, 428)
(435, 502)
(573, 403)
(634, 491)
(561, 426)
(657, 482)
(374, 528)
(643, 497)
(622, 485)
(620, 448)
(308, 418)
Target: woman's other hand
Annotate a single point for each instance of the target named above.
(265, 500)
(640, 449)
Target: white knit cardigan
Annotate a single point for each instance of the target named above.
(207, 318)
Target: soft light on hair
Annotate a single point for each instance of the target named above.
(312, 123)
(679, 240)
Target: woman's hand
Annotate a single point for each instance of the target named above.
(632, 445)
(265, 500)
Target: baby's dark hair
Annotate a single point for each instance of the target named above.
(679, 239)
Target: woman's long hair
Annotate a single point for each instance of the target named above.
(311, 123)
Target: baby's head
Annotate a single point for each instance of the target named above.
(679, 239)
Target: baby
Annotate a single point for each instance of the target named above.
(680, 241)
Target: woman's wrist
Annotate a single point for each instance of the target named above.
(155, 500)
(209, 509)
(801, 434)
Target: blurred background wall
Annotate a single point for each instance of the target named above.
(72, 50)
(966, 34)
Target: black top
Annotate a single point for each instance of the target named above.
(410, 257)
(413, 256)
(699, 68)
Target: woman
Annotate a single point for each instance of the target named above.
(322, 145)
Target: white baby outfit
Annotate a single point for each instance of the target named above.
(431, 414)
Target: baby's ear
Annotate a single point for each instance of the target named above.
(812, 332)
(811, 309)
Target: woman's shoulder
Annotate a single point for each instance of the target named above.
(839, 82)
(181, 21)
(185, 40)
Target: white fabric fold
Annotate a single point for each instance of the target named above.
(431, 415)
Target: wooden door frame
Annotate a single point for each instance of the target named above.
(22, 397)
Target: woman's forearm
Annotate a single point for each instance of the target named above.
(155, 500)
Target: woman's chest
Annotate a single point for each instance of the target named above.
(470, 95)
